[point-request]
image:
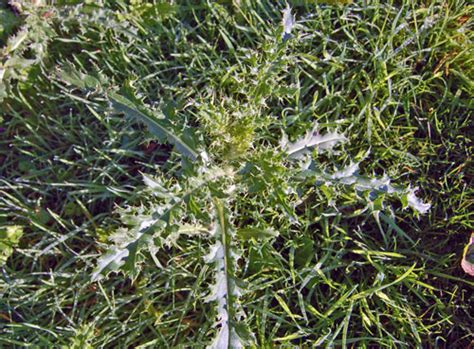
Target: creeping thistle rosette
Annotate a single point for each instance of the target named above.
(199, 199)
(201, 202)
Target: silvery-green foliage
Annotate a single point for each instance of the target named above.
(415, 202)
(285, 173)
(313, 140)
(27, 48)
(159, 128)
(149, 228)
(375, 188)
(143, 225)
(225, 291)
(288, 22)
(160, 224)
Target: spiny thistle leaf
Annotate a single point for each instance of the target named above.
(415, 203)
(25, 49)
(376, 186)
(224, 291)
(124, 256)
(311, 141)
(124, 105)
(156, 187)
(165, 222)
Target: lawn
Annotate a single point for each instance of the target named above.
(246, 173)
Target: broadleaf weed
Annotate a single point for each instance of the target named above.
(327, 239)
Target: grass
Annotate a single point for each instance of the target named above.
(393, 77)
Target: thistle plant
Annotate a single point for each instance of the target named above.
(274, 201)
(200, 201)
(34, 35)
(198, 206)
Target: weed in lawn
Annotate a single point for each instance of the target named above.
(394, 78)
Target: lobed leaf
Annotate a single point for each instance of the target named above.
(311, 141)
(224, 291)
(376, 186)
(124, 105)
(124, 256)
